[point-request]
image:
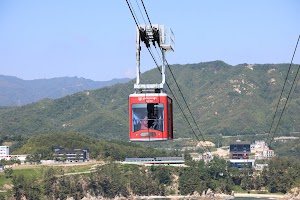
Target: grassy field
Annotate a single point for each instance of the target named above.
(37, 171)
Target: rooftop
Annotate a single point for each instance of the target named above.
(240, 142)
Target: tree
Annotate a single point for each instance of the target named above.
(33, 158)
(282, 174)
(49, 180)
(162, 174)
(64, 158)
(112, 181)
(8, 172)
(188, 160)
(19, 186)
(189, 180)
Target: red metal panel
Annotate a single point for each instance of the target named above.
(170, 117)
(150, 134)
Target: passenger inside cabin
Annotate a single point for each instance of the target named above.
(144, 123)
(143, 120)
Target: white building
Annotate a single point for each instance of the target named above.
(268, 153)
(4, 151)
(260, 166)
(4, 154)
(261, 150)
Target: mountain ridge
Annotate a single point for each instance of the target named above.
(224, 100)
(16, 92)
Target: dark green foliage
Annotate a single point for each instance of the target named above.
(49, 180)
(190, 181)
(188, 159)
(200, 176)
(40, 147)
(162, 174)
(108, 181)
(112, 180)
(9, 162)
(287, 149)
(18, 140)
(8, 172)
(144, 182)
(217, 168)
(282, 174)
(25, 187)
(34, 158)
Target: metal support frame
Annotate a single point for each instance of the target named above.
(145, 88)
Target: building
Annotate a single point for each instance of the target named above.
(242, 163)
(4, 151)
(207, 157)
(261, 150)
(4, 154)
(268, 153)
(75, 155)
(169, 161)
(260, 167)
(239, 154)
(258, 145)
(196, 156)
(285, 138)
(239, 150)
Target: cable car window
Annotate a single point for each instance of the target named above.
(148, 116)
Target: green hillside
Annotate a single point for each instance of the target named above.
(224, 99)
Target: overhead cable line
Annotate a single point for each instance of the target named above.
(184, 99)
(150, 51)
(269, 133)
(285, 104)
(132, 13)
(295, 88)
(146, 13)
(177, 102)
(185, 117)
(141, 11)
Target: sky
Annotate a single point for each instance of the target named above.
(95, 39)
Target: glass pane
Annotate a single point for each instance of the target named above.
(147, 116)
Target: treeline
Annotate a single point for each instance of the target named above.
(41, 147)
(287, 148)
(112, 180)
(107, 181)
(280, 176)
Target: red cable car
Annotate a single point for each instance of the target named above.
(150, 108)
(151, 117)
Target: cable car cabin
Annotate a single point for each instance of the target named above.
(150, 108)
(150, 117)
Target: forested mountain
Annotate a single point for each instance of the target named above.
(224, 99)
(15, 91)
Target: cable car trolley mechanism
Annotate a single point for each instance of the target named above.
(150, 108)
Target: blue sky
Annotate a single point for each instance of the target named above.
(95, 39)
